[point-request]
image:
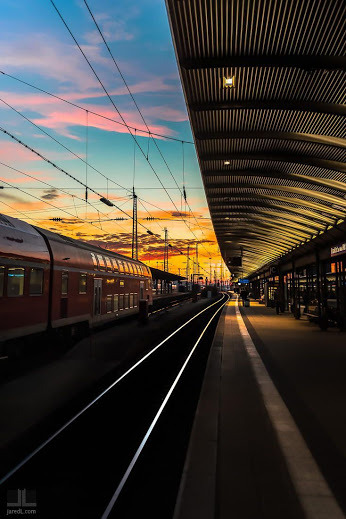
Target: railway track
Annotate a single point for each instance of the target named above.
(122, 454)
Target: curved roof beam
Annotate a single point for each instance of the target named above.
(314, 215)
(296, 201)
(272, 104)
(328, 140)
(296, 61)
(261, 220)
(320, 195)
(299, 177)
(260, 235)
(304, 224)
(279, 157)
(247, 239)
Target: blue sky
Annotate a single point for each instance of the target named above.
(36, 47)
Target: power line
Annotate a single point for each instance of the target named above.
(183, 193)
(91, 111)
(115, 107)
(76, 155)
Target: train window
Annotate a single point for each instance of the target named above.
(94, 260)
(64, 283)
(131, 300)
(126, 267)
(15, 282)
(127, 300)
(109, 263)
(121, 301)
(116, 303)
(141, 269)
(132, 270)
(121, 266)
(101, 260)
(109, 302)
(135, 300)
(115, 265)
(135, 267)
(2, 276)
(36, 281)
(82, 286)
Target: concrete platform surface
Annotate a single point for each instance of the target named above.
(247, 458)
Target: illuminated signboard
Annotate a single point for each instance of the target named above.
(243, 280)
(338, 249)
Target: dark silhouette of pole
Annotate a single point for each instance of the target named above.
(134, 228)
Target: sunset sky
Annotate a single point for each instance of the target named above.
(36, 48)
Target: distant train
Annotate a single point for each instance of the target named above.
(49, 282)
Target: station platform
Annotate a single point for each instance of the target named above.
(264, 450)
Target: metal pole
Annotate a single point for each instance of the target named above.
(165, 254)
(134, 228)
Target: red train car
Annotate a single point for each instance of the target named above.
(51, 282)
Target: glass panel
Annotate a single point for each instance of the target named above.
(121, 301)
(15, 282)
(131, 268)
(82, 283)
(131, 300)
(109, 263)
(126, 267)
(126, 301)
(94, 260)
(116, 302)
(36, 281)
(136, 269)
(2, 276)
(115, 264)
(135, 300)
(101, 261)
(64, 283)
(109, 301)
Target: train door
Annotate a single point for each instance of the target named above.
(97, 296)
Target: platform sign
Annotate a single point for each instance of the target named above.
(338, 249)
(243, 280)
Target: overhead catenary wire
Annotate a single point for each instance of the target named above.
(73, 153)
(115, 107)
(139, 130)
(182, 192)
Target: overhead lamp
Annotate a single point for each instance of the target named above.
(106, 201)
(228, 82)
(227, 162)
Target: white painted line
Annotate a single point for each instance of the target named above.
(54, 435)
(153, 423)
(312, 489)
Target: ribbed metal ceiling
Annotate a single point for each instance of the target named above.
(272, 149)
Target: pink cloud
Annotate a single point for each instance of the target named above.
(50, 58)
(11, 151)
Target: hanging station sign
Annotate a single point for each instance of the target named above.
(338, 249)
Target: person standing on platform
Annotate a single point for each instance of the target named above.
(279, 300)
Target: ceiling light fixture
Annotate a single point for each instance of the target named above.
(228, 82)
(227, 162)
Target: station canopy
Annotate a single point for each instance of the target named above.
(264, 83)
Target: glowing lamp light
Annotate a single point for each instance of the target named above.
(228, 82)
(227, 162)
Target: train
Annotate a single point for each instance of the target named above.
(51, 284)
